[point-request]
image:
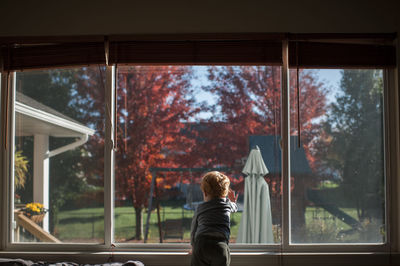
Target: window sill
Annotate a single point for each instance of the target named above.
(238, 258)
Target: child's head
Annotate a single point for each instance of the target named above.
(215, 184)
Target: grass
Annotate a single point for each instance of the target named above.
(322, 227)
(314, 213)
(82, 225)
(87, 225)
(328, 184)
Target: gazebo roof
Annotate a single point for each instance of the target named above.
(271, 153)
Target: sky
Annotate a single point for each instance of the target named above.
(330, 77)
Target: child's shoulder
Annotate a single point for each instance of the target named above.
(209, 203)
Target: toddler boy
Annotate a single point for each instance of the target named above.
(211, 221)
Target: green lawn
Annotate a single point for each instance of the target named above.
(87, 225)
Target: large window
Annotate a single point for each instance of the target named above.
(337, 157)
(58, 156)
(111, 156)
(175, 123)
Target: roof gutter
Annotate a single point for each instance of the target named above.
(82, 140)
(52, 119)
(83, 131)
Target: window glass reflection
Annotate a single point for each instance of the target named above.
(175, 123)
(337, 165)
(58, 158)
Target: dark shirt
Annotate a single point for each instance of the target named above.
(213, 216)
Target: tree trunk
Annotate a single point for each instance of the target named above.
(139, 223)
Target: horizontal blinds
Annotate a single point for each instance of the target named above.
(196, 52)
(341, 55)
(52, 55)
(201, 51)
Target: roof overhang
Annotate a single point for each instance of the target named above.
(30, 121)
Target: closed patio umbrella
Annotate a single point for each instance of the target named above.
(256, 222)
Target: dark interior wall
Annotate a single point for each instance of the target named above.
(99, 17)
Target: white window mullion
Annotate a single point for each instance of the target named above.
(7, 144)
(285, 144)
(11, 84)
(6, 90)
(391, 111)
(3, 191)
(109, 157)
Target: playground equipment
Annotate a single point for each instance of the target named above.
(154, 190)
(315, 197)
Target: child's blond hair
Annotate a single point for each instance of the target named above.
(215, 184)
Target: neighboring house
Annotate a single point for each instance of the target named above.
(40, 121)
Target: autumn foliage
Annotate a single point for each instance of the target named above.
(248, 102)
(160, 121)
(154, 104)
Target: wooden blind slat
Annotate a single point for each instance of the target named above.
(201, 52)
(196, 52)
(28, 57)
(336, 55)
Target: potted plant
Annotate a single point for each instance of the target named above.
(35, 211)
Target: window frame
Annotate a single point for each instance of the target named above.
(391, 134)
(389, 154)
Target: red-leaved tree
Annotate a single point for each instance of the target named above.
(156, 126)
(154, 104)
(248, 102)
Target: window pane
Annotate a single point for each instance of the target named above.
(58, 169)
(337, 169)
(175, 123)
